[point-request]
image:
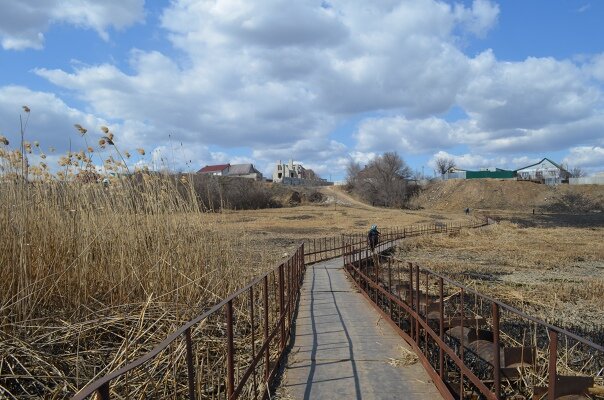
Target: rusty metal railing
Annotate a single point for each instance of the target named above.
(472, 345)
(235, 347)
(242, 338)
(320, 249)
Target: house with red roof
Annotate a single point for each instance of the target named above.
(235, 171)
(219, 170)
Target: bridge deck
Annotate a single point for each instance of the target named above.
(343, 349)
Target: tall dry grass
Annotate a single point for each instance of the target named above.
(92, 262)
(554, 273)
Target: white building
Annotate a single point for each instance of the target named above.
(545, 171)
(290, 170)
(296, 174)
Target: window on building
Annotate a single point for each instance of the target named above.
(279, 175)
(291, 174)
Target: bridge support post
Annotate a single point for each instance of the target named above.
(496, 355)
(552, 368)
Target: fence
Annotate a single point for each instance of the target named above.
(325, 248)
(235, 347)
(590, 180)
(241, 338)
(472, 345)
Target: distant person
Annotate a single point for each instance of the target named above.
(373, 237)
(467, 210)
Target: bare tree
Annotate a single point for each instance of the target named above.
(444, 164)
(352, 173)
(384, 181)
(577, 172)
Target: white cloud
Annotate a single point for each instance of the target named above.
(528, 94)
(276, 77)
(585, 157)
(50, 121)
(407, 136)
(23, 23)
(480, 18)
(469, 161)
(596, 67)
(280, 74)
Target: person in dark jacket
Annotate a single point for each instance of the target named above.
(373, 237)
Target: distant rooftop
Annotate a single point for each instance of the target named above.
(213, 168)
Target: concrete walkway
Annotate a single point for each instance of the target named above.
(342, 349)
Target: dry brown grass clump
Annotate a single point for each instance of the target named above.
(556, 273)
(98, 264)
(87, 271)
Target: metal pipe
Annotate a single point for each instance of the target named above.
(281, 306)
(253, 327)
(441, 330)
(230, 350)
(461, 350)
(103, 391)
(417, 303)
(190, 367)
(496, 356)
(553, 359)
(267, 354)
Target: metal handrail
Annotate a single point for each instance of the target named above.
(296, 270)
(374, 288)
(337, 247)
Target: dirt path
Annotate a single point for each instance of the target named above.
(344, 198)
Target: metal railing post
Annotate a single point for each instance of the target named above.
(281, 306)
(461, 345)
(253, 334)
(268, 347)
(417, 296)
(104, 391)
(230, 350)
(553, 359)
(190, 367)
(410, 291)
(496, 356)
(441, 329)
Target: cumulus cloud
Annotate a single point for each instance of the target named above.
(408, 136)
(528, 94)
(479, 18)
(23, 23)
(596, 67)
(585, 157)
(280, 74)
(277, 77)
(51, 120)
(469, 161)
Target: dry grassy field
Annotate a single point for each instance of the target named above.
(555, 273)
(90, 270)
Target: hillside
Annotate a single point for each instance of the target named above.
(510, 195)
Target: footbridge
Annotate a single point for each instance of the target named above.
(336, 320)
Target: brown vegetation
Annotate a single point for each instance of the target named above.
(95, 273)
(492, 194)
(554, 273)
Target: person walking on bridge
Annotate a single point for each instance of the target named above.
(373, 237)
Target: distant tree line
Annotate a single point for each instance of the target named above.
(384, 181)
(218, 192)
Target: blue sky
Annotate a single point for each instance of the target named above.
(323, 82)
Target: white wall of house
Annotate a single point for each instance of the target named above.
(544, 171)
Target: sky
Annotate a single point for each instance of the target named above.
(201, 82)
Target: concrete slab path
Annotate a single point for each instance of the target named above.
(342, 349)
